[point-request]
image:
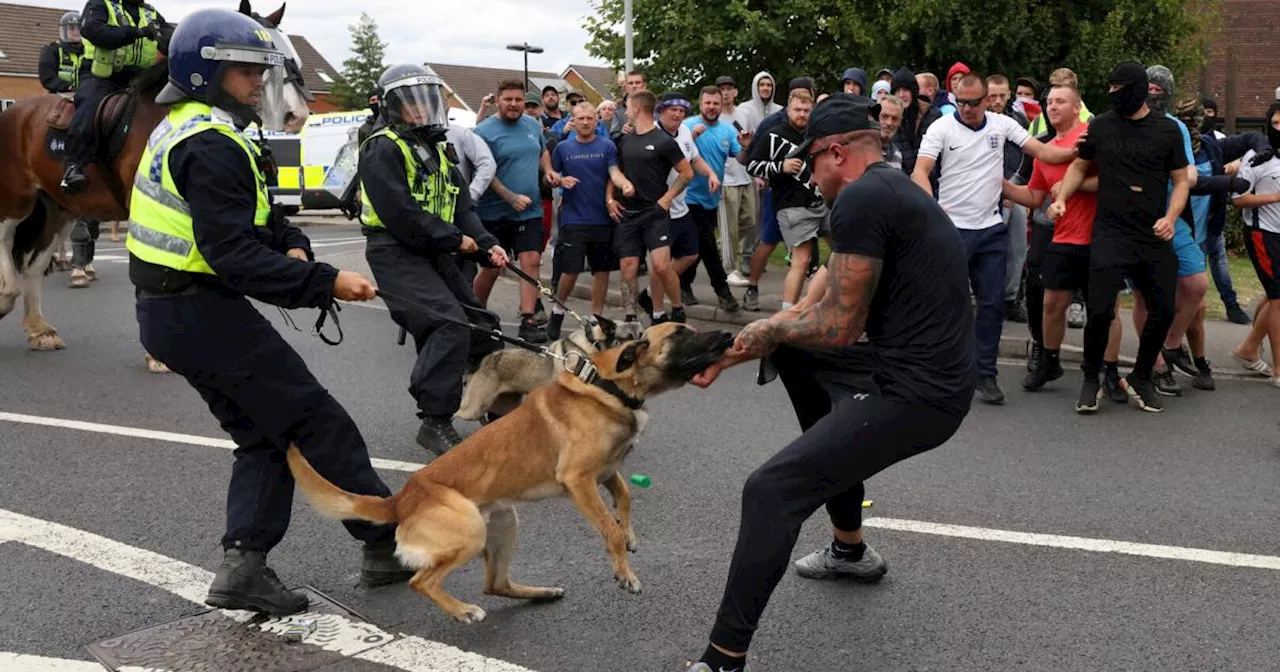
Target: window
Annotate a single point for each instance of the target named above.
(324, 76)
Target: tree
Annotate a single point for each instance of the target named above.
(360, 72)
(682, 45)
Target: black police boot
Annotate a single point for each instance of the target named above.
(243, 581)
(381, 567)
(74, 181)
(437, 434)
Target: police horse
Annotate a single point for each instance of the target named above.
(35, 214)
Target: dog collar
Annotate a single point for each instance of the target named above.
(586, 372)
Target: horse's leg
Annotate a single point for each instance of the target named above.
(40, 334)
(10, 286)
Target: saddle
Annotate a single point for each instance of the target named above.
(111, 120)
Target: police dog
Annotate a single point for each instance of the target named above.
(505, 376)
(568, 438)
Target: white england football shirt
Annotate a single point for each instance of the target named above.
(684, 138)
(1264, 179)
(971, 166)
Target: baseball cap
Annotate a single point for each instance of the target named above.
(725, 80)
(839, 113)
(1027, 81)
(532, 98)
(549, 87)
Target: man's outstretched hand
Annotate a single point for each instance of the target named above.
(731, 357)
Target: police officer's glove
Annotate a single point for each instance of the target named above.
(1239, 185)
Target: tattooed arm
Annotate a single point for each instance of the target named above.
(836, 321)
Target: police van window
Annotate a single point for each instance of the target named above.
(287, 151)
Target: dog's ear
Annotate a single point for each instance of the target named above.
(627, 358)
(608, 327)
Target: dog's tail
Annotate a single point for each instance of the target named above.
(334, 502)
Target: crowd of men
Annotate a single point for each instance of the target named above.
(674, 182)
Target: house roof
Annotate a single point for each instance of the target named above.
(471, 83)
(24, 30)
(602, 79)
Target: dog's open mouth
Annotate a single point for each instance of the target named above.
(696, 352)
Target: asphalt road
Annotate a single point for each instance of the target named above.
(991, 595)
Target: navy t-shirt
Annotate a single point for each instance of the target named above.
(583, 205)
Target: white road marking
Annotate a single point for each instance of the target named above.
(189, 582)
(1080, 543)
(171, 437)
(19, 662)
(337, 241)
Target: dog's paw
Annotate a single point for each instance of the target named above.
(470, 614)
(628, 582)
(633, 544)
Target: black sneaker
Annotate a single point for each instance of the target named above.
(1165, 383)
(1014, 312)
(1035, 353)
(990, 390)
(539, 313)
(1144, 392)
(645, 301)
(1181, 360)
(379, 565)
(661, 319)
(243, 581)
(531, 331)
(1090, 393)
(437, 434)
(553, 326)
(1237, 315)
(727, 302)
(751, 299)
(677, 314)
(1044, 372)
(1203, 380)
(1114, 390)
(687, 297)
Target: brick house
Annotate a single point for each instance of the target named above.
(25, 29)
(1250, 28)
(467, 85)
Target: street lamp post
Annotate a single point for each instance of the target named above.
(527, 49)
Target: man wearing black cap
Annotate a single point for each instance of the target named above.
(898, 275)
(550, 106)
(1139, 153)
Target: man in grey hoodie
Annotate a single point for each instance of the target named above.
(761, 104)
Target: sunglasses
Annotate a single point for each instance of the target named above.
(960, 102)
(826, 149)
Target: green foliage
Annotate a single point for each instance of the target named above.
(686, 43)
(361, 71)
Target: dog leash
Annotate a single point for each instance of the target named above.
(546, 291)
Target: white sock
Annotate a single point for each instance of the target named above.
(557, 310)
(657, 314)
(787, 304)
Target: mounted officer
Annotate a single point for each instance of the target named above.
(121, 38)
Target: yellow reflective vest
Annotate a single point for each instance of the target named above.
(140, 54)
(436, 194)
(69, 66)
(160, 230)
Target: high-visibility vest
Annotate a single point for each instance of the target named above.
(140, 54)
(436, 194)
(69, 66)
(160, 230)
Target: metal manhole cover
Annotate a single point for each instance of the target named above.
(213, 640)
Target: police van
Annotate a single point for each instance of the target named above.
(303, 159)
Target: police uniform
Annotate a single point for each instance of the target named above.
(121, 39)
(201, 240)
(416, 207)
(60, 64)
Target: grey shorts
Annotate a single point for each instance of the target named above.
(800, 225)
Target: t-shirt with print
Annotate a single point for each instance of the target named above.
(647, 160)
(1076, 226)
(589, 162)
(684, 138)
(1134, 160)
(971, 166)
(1264, 179)
(517, 149)
(735, 174)
(920, 333)
(715, 145)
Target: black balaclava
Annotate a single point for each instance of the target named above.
(1132, 79)
(1273, 136)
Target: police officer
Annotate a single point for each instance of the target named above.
(60, 73)
(201, 240)
(121, 38)
(417, 216)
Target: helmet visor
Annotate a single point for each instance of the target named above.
(69, 29)
(416, 102)
(272, 107)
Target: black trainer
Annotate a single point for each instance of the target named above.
(1237, 315)
(437, 434)
(1165, 383)
(1203, 380)
(379, 565)
(727, 301)
(661, 319)
(1044, 372)
(74, 181)
(553, 326)
(539, 313)
(1035, 353)
(751, 299)
(990, 390)
(243, 581)
(1112, 387)
(677, 314)
(1143, 391)
(531, 331)
(1090, 393)
(645, 301)
(687, 297)
(1181, 360)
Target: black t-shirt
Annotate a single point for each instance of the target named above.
(647, 160)
(1134, 160)
(920, 331)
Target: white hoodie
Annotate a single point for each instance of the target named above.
(755, 110)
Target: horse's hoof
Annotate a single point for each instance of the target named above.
(156, 366)
(46, 342)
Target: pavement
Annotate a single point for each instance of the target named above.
(1035, 539)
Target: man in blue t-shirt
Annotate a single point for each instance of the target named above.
(512, 207)
(586, 161)
(717, 141)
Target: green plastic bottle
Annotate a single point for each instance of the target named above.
(641, 480)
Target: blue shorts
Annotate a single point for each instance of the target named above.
(770, 233)
(1190, 256)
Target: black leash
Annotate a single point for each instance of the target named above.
(546, 291)
(495, 334)
(318, 329)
